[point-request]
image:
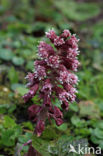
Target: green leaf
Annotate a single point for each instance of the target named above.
(13, 75)
(97, 31)
(101, 144)
(40, 145)
(98, 133)
(5, 3)
(56, 102)
(9, 136)
(28, 125)
(26, 53)
(22, 90)
(30, 65)
(12, 108)
(89, 109)
(18, 60)
(74, 107)
(94, 139)
(77, 11)
(50, 133)
(100, 124)
(63, 127)
(7, 139)
(24, 138)
(9, 122)
(3, 108)
(77, 122)
(84, 132)
(6, 54)
(99, 85)
(15, 85)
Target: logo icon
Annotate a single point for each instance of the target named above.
(72, 149)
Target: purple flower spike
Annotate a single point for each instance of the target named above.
(53, 78)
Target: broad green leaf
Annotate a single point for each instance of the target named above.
(97, 31)
(22, 90)
(28, 125)
(18, 60)
(76, 121)
(98, 133)
(100, 124)
(74, 107)
(77, 11)
(13, 75)
(9, 122)
(6, 54)
(84, 132)
(56, 102)
(63, 127)
(50, 133)
(12, 108)
(3, 108)
(40, 145)
(94, 139)
(7, 138)
(30, 65)
(89, 109)
(101, 144)
(24, 138)
(26, 53)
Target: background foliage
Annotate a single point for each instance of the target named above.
(22, 26)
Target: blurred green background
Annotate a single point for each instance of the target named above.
(22, 25)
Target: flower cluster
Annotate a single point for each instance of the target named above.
(53, 78)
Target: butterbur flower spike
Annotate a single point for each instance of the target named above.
(55, 68)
